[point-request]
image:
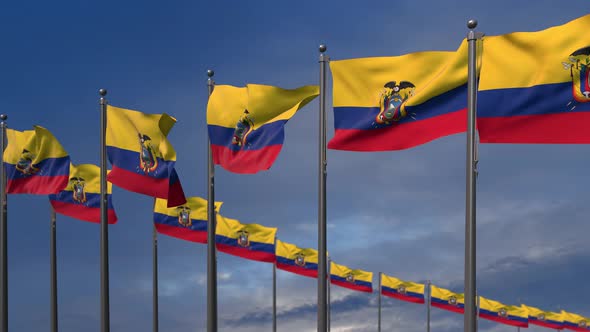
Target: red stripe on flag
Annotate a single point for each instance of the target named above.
(402, 136)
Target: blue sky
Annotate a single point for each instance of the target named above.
(401, 213)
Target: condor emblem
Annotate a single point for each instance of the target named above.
(243, 240)
(148, 162)
(78, 193)
(503, 312)
(25, 163)
(582, 323)
(401, 289)
(243, 128)
(391, 99)
(350, 277)
(184, 216)
(453, 300)
(579, 67)
(541, 316)
(300, 259)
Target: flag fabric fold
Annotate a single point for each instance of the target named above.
(447, 300)
(35, 162)
(81, 197)
(575, 322)
(141, 156)
(250, 241)
(502, 313)
(395, 103)
(346, 277)
(402, 290)
(535, 86)
(246, 124)
(551, 320)
(187, 222)
(297, 260)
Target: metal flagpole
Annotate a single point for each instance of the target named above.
(53, 271)
(470, 323)
(379, 305)
(3, 233)
(274, 294)
(428, 288)
(322, 236)
(211, 254)
(155, 313)
(104, 222)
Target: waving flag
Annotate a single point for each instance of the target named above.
(142, 157)
(535, 86)
(501, 313)
(81, 198)
(575, 322)
(402, 290)
(251, 241)
(246, 125)
(358, 280)
(447, 300)
(394, 103)
(35, 162)
(552, 320)
(293, 259)
(187, 222)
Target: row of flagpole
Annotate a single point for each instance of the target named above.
(470, 316)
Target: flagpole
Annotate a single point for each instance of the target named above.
(428, 283)
(155, 313)
(274, 297)
(322, 236)
(104, 221)
(211, 254)
(3, 233)
(53, 270)
(470, 324)
(379, 305)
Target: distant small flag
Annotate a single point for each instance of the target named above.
(81, 198)
(187, 222)
(502, 313)
(246, 125)
(548, 319)
(575, 322)
(357, 280)
(35, 162)
(402, 290)
(447, 300)
(293, 259)
(251, 241)
(142, 157)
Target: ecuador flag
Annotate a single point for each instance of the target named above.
(501, 313)
(35, 162)
(535, 86)
(81, 198)
(293, 259)
(142, 157)
(395, 103)
(552, 320)
(251, 241)
(575, 322)
(402, 290)
(246, 124)
(447, 300)
(186, 222)
(358, 280)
